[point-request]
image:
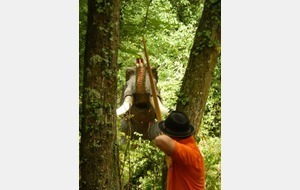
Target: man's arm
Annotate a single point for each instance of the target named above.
(165, 143)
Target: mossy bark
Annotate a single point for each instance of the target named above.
(99, 167)
(202, 61)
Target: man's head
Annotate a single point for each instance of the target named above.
(176, 125)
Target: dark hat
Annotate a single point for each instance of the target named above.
(176, 125)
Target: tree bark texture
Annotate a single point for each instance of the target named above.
(203, 58)
(99, 167)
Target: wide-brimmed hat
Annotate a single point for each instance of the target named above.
(176, 124)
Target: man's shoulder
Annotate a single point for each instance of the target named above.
(185, 151)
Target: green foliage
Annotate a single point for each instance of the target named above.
(141, 164)
(168, 41)
(211, 150)
(212, 116)
(188, 10)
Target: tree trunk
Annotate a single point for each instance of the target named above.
(99, 168)
(203, 58)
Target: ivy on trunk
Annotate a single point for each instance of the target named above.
(202, 61)
(99, 168)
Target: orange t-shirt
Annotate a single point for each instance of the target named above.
(187, 171)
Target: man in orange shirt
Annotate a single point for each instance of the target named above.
(186, 171)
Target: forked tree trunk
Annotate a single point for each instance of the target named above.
(203, 58)
(99, 167)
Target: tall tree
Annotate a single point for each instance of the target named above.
(99, 167)
(202, 61)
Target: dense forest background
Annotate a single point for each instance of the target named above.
(174, 37)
